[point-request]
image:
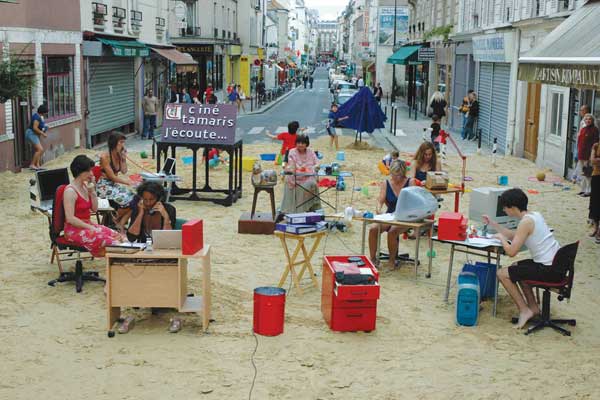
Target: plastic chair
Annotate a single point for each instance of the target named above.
(62, 247)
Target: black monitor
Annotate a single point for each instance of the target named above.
(169, 166)
(48, 181)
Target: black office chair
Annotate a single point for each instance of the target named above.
(564, 260)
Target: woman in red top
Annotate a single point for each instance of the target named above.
(288, 138)
(588, 135)
(79, 201)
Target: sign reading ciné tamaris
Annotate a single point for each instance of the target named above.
(199, 124)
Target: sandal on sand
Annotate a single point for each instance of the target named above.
(126, 325)
(175, 325)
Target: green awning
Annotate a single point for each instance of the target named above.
(402, 55)
(127, 48)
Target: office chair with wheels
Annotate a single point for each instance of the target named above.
(62, 247)
(564, 260)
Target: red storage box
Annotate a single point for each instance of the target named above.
(192, 237)
(348, 307)
(452, 226)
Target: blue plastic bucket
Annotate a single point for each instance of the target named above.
(503, 180)
(268, 157)
(341, 156)
(187, 160)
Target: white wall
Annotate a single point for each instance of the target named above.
(551, 148)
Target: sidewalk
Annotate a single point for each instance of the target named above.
(409, 133)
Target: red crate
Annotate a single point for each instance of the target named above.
(192, 237)
(452, 226)
(348, 307)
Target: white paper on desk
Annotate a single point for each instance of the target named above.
(384, 217)
(365, 271)
(103, 203)
(483, 242)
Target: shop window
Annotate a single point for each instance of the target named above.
(59, 87)
(556, 111)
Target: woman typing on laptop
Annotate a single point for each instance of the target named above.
(149, 212)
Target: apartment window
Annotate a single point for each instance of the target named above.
(556, 111)
(216, 32)
(59, 86)
(223, 33)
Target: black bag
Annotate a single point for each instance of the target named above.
(587, 170)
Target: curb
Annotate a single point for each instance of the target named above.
(267, 107)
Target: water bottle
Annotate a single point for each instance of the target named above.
(149, 244)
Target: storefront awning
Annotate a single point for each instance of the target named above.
(402, 55)
(183, 61)
(127, 48)
(569, 55)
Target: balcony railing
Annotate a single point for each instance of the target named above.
(99, 12)
(118, 16)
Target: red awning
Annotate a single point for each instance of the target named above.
(184, 62)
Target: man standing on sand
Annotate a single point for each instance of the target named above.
(149, 105)
(532, 232)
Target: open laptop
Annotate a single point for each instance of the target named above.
(44, 188)
(167, 170)
(166, 239)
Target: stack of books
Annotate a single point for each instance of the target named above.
(302, 223)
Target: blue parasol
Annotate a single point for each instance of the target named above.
(363, 111)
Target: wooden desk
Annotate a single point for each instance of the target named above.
(479, 251)
(155, 279)
(291, 260)
(455, 190)
(418, 227)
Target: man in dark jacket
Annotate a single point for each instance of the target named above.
(472, 117)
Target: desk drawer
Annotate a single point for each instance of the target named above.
(337, 303)
(145, 285)
(356, 292)
(353, 319)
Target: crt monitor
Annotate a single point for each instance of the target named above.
(48, 181)
(486, 201)
(415, 204)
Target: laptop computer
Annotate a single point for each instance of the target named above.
(166, 239)
(44, 187)
(167, 170)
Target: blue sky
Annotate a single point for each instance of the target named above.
(328, 11)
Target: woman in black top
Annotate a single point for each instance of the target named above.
(438, 104)
(149, 212)
(472, 117)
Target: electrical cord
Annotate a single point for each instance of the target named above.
(253, 365)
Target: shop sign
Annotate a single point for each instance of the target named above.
(584, 76)
(197, 50)
(426, 54)
(199, 124)
(492, 48)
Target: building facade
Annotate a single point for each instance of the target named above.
(50, 43)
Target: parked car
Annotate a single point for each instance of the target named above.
(344, 96)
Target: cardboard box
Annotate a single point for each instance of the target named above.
(260, 224)
(192, 237)
(436, 180)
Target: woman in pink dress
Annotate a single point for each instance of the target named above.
(79, 201)
(301, 169)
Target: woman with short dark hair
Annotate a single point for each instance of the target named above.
(79, 202)
(37, 128)
(532, 232)
(150, 212)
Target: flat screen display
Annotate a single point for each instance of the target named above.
(49, 181)
(499, 211)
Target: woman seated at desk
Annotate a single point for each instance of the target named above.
(150, 212)
(425, 160)
(388, 196)
(301, 160)
(111, 186)
(79, 201)
(532, 232)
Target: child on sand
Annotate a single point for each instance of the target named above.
(436, 127)
(288, 138)
(332, 124)
(384, 164)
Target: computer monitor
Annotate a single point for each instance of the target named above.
(415, 204)
(48, 181)
(485, 201)
(169, 166)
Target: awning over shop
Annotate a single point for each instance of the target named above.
(402, 55)
(569, 55)
(183, 61)
(127, 48)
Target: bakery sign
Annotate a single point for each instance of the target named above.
(199, 124)
(582, 76)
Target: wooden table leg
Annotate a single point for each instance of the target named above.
(456, 201)
(291, 262)
(206, 295)
(307, 261)
(364, 233)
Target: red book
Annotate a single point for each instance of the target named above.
(192, 237)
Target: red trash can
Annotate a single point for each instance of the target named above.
(269, 310)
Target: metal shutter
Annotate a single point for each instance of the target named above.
(501, 90)
(484, 96)
(460, 87)
(111, 94)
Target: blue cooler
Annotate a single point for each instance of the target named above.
(467, 299)
(487, 277)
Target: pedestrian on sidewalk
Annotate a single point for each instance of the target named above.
(241, 97)
(438, 105)
(311, 80)
(185, 96)
(37, 129)
(360, 83)
(436, 128)
(149, 106)
(595, 191)
(232, 95)
(378, 92)
(208, 93)
(261, 90)
(304, 79)
(194, 89)
(472, 117)
(588, 136)
(583, 110)
(464, 110)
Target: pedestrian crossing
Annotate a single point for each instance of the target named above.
(258, 130)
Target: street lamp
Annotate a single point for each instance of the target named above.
(393, 96)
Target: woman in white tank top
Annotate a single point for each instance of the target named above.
(532, 232)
